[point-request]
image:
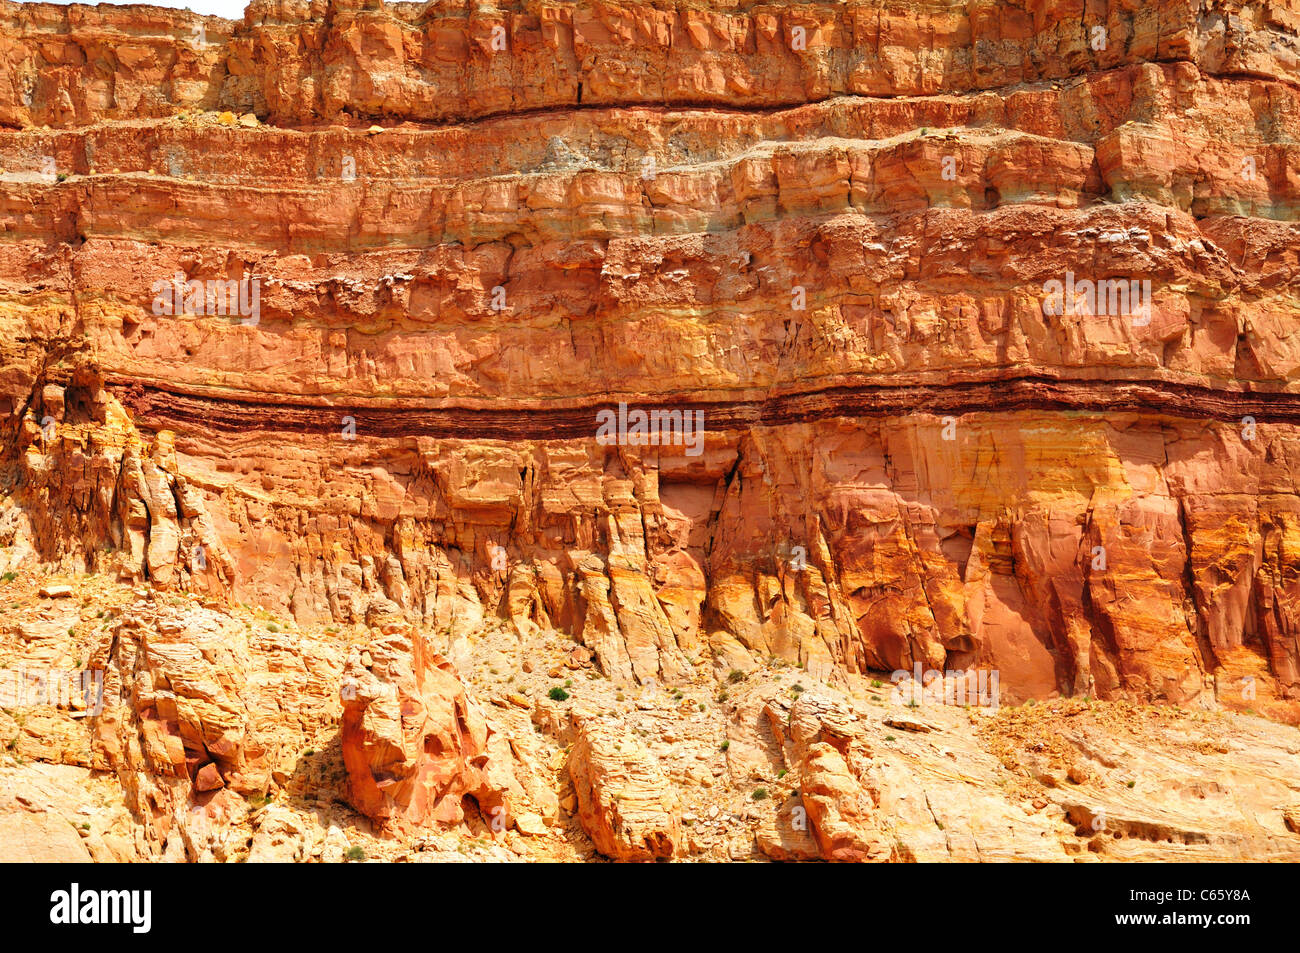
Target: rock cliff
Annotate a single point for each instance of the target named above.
(986, 313)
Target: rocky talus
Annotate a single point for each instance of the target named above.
(987, 313)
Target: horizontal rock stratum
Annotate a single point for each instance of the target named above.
(977, 324)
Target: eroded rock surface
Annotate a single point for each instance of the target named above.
(306, 321)
(416, 748)
(624, 801)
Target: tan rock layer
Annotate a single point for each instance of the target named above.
(1136, 556)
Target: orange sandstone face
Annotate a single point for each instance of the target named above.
(677, 343)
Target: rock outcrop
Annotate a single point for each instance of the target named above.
(416, 749)
(836, 802)
(624, 801)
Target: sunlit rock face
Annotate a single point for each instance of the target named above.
(871, 340)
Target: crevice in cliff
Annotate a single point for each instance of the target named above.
(1104, 646)
(1195, 622)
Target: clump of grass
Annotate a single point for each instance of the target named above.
(557, 694)
(736, 675)
(354, 854)
(9, 576)
(760, 794)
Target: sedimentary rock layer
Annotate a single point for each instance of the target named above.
(938, 540)
(161, 410)
(310, 61)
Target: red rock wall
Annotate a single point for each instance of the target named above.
(827, 251)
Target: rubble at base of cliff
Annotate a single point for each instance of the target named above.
(229, 740)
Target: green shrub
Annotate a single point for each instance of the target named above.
(557, 694)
